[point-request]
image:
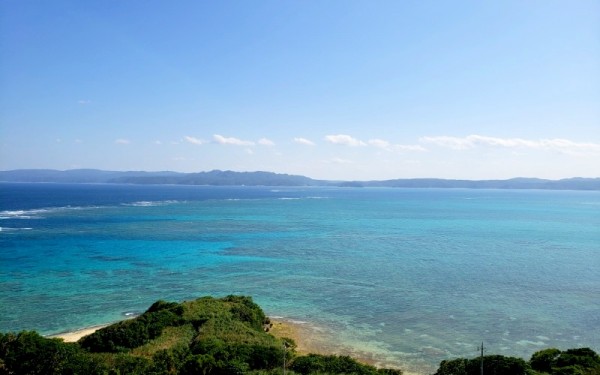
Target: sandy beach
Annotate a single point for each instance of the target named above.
(74, 336)
(308, 337)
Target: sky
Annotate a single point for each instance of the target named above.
(336, 89)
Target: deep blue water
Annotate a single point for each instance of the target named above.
(409, 276)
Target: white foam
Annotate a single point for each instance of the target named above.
(35, 213)
(5, 229)
(150, 203)
(22, 214)
(529, 342)
(297, 321)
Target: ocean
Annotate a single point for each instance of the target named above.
(406, 277)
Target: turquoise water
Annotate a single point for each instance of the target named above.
(408, 277)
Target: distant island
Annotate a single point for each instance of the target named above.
(232, 178)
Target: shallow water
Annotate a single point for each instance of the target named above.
(406, 276)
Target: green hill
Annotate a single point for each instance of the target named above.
(227, 336)
(204, 336)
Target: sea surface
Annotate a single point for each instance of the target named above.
(407, 277)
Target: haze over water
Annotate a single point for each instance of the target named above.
(408, 277)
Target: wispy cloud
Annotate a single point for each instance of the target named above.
(339, 161)
(84, 102)
(380, 143)
(122, 141)
(388, 146)
(194, 140)
(343, 139)
(266, 142)
(303, 141)
(472, 141)
(417, 148)
(231, 141)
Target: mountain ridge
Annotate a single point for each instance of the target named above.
(261, 178)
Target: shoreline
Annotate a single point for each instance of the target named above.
(309, 338)
(74, 336)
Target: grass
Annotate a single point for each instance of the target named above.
(170, 338)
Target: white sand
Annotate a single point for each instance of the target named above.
(76, 335)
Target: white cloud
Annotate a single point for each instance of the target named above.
(231, 141)
(417, 148)
(380, 143)
(266, 142)
(341, 161)
(343, 139)
(450, 142)
(84, 102)
(122, 141)
(304, 141)
(472, 141)
(157, 142)
(385, 145)
(194, 140)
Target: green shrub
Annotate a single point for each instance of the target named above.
(544, 360)
(316, 363)
(29, 353)
(572, 361)
(129, 334)
(492, 364)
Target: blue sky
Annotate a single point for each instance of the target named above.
(350, 90)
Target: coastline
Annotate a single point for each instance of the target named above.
(309, 338)
(74, 336)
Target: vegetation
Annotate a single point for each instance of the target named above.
(205, 336)
(331, 364)
(582, 361)
(227, 336)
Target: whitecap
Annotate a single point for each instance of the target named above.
(150, 203)
(297, 321)
(35, 213)
(141, 204)
(529, 342)
(6, 229)
(22, 214)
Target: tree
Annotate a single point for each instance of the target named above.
(492, 364)
(544, 360)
